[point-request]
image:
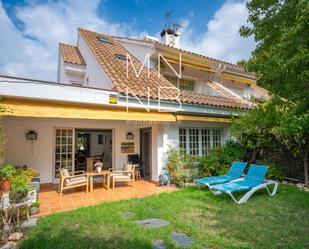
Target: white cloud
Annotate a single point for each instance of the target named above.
(33, 52)
(221, 40)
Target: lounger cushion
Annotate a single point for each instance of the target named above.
(214, 180)
(121, 176)
(76, 180)
(65, 172)
(234, 173)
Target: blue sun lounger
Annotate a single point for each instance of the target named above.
(252, 182)
(235, 172)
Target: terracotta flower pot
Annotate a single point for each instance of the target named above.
(5, 185)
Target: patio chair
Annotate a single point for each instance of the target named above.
(252, 182)
(126, 175)
(68, 182)
(235, 172)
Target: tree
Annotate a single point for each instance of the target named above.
(254, 129)
(293, 132)
(281, 58)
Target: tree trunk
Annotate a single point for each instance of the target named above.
(306, 168)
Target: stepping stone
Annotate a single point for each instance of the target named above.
(127, 214)
(29, 223)
(181, 239)
(152, 223)
(158, 244)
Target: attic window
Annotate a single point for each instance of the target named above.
(121, 57)
(105, 40)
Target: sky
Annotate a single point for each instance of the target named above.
(31, 29)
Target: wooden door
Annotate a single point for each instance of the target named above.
(145, 152)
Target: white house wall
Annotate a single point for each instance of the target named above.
(66, 77)
(18, 149)
(94, 73)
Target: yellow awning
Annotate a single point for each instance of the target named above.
(202, 118)
(39, 109)
(26, 108)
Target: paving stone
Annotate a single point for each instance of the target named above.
(127, 214)
(158, 244)
(29, 223)
(9, 245)
(15, 236)
(152, 223)
(181, 239)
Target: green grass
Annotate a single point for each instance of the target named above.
(212, 221)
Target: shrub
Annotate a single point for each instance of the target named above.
(19, 188)
(7, 171)
(180, 166)
(219, 159)
(274, 172)
(36, 204)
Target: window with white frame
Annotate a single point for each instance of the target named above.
(182, 84)
(206, 141)
(199, 141)
(182, 139)
(216, 137)
(193, 142)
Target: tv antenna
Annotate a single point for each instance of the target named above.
(167, 16)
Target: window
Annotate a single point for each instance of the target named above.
(64, 150)
(206, 144)
(216, 137)
(173, 80)
(199, 141)
(182, 84)
(186, 85)
(105, 40)
(121, 57)
(193, 142)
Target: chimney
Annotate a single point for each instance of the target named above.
(170, 37)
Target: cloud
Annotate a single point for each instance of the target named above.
(222, 39)
(33, 50)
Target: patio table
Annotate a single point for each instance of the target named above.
(106, 175)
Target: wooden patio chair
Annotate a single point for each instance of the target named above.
(126, 175)
(68, 182)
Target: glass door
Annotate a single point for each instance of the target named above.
(64, 151)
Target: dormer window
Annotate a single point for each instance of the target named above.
(105, 40)
(182, 84)
(121, 57)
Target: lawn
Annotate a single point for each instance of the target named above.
(212, 221)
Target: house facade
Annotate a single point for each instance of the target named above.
(118, 96)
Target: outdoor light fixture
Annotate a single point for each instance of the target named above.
(130, 136)
(31, 135)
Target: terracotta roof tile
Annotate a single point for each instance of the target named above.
(71, 54)
(143, 85)
(261, 91)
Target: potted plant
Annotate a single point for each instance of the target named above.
(98, 166)
(7, 171)
(19, 189)
(35, 207)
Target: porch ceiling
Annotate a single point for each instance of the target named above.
(27, 108)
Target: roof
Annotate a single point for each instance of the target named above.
(144, 86)
(262, 92)
(71, 54)
(159, 44)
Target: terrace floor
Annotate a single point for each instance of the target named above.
(51, 202)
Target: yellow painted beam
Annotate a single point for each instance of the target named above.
(202, 118)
